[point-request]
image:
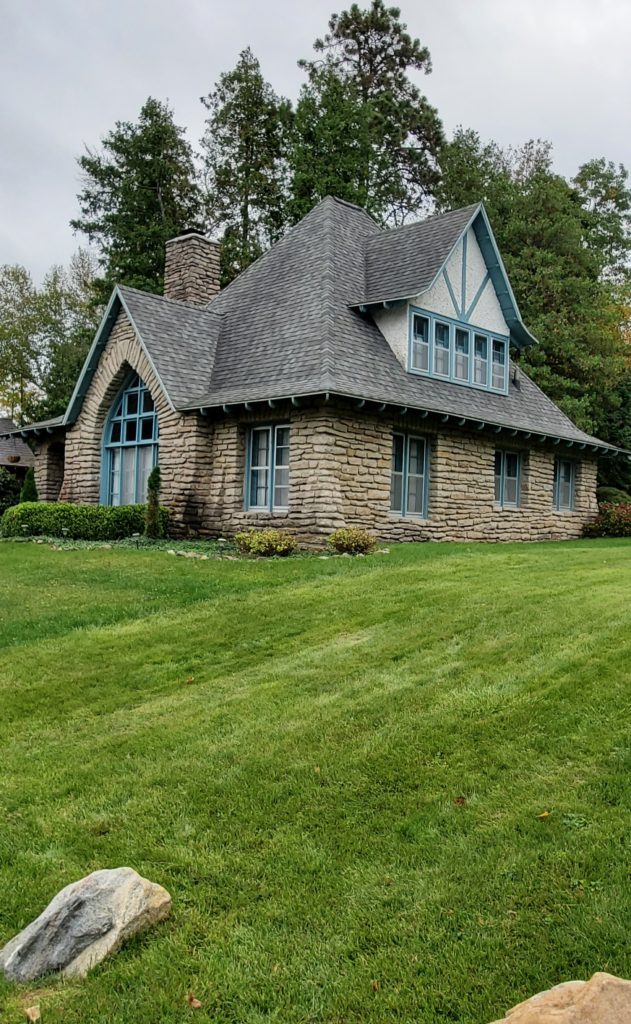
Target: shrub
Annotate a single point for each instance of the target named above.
(612, 496)
(29, 489)
(350, 540)
(153, 523)
(9, 489)
(80, 522)
(612, 521)
(266, 542)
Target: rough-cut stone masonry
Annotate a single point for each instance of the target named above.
(340, 464)
(49, 466)
(192, 269)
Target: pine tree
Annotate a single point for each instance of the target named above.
(153, 522)
(364, 131)
(140, 190)
(244, 147)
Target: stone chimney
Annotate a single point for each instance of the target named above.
(191, 268)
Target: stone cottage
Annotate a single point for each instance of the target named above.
(351, 376)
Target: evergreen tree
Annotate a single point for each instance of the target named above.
(153, 523)
(364, 131)
(140, 190)
(245, 146)
(9, 489)
(29, 488)
(555, 266)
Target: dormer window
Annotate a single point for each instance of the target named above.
(445, 348)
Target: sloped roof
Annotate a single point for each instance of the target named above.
(13, 448)
(291, 326)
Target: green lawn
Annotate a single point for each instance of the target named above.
(337, 768)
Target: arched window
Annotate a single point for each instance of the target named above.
(130, 449)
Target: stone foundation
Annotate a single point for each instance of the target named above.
(340, 467)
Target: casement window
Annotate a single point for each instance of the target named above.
(420, 342)
(130, 448)
(564, 484)
(267, 482)
(408, 488)
(440, 347)
(507, 479)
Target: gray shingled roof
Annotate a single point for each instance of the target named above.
(13, 447)
(289, 326)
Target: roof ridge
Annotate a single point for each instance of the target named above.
(169, 301)
(388, 232)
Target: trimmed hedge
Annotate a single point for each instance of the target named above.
(612, 496)
(612, 521)
(351, 540)
(266, 543)
(81, 522)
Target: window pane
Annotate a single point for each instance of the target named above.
(128, 486)
(145, 465)
(564, 474)
(146, 428)
(498, 477)
(259, 494)
(420, 343)
(147, 402)
(115, 432)
(461, 367)
(115, 477)
(417, 456)
(441, 349)
(397, 453)
(481, 363)
(281, 487)
(396, 482)
(415, 495)
(260, 448)
(130, 430)
(132, 403)
(499, 365)
(510, 490)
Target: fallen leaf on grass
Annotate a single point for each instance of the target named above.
(375, 985)
(191, 679)
(544, 815)
(193, 1002)
(275, 968)
(460, 801)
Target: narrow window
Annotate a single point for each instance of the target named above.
(130, 446)
(441, 349)
(499, 365)
(268, 482)
(461, 360)
(408, 487)
(481, 361)
(420, 343)
(564, 484)
(507, 479)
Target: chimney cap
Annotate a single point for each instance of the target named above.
(189, 233)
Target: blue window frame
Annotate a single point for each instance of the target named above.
(130, 445)
(507, 479)
(409, 481)
(267, 471)
(451, 350)
(564, 484)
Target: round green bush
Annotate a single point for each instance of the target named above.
(267, 543)
(77, 522)
(612, 496)
(350, 540)
(612, 521)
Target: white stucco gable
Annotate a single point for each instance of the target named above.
(462, 291)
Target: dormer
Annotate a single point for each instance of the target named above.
(440, 295)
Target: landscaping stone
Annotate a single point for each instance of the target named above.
(604, 999)
(85, 922)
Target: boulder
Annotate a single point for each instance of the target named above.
(85, 922)
(604, 999)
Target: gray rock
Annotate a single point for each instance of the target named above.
(83, 924)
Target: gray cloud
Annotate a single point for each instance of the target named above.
(512, 69)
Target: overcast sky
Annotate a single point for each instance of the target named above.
(512, 69)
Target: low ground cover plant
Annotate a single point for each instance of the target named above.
(612, 521)
(266, 543)
(350, 540)
(77, 522)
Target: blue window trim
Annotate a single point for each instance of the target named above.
(472, 330)
(556, 492)
(503, 503)
(273, 428)
(404, 483)
(108, 446)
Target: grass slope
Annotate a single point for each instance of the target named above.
(337, 769)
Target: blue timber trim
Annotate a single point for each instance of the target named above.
(477, 296)
(463, 287)
(452, 294)
(472, 330)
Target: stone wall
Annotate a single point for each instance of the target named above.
(340, 466)
(49, 466)
(192, 269)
